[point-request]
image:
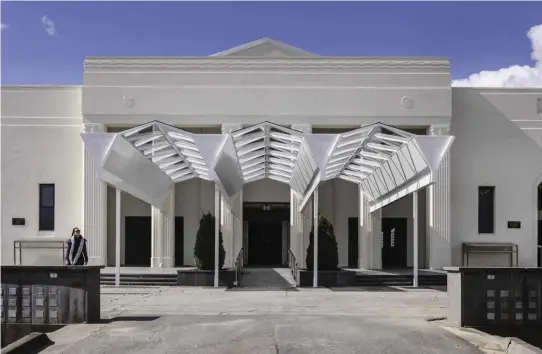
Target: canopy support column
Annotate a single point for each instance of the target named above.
(117, 236)
(217, 233)
(315, 240)
(415, 221)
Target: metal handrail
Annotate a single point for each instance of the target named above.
(239, 263)
(19, 245)
(292, 263)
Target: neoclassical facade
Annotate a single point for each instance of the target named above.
(485, 188)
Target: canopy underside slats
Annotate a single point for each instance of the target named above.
(381, 159)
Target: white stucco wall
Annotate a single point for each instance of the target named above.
(490, 149)
(40, 143)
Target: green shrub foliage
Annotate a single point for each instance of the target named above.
(328, 254)
(204, 249)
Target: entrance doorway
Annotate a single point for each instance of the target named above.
(179, 241)
(353, 242)
(266, 233)
(394, 242)
(137, 241)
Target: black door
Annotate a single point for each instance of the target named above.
(353, 242)
(394, 238)
(137, 230)
(265, 243)
(179, 241)
(540, 243)
(265, 233)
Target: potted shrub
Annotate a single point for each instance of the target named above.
(328, 253)
(329, 274)
(204, 249)
(204, 256)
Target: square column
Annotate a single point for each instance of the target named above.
(438, 211)
(118, 204)
(217, 234)
(315, 227)
(94, 226)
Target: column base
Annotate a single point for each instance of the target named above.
(96, 261)
(162, 262)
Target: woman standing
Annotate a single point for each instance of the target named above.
(77, 249)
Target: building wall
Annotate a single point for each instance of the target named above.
(490, 149)
(40, 143)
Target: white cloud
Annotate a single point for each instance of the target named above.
(4, 26)
(515, 75)
(49, 25)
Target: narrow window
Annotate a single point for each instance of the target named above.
(47, 207)
(486, 210)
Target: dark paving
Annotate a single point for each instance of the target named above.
(271, 334)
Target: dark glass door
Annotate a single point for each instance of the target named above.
(137, 244)
(179, 241)
(353, 243)
(394, 250)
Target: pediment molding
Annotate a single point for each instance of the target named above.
(249, 64)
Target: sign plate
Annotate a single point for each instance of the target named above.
(514, 224)
(18, 221)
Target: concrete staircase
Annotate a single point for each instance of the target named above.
(141, 279)
(266, 279)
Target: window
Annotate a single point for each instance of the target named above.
(486, 210)
(47, 207)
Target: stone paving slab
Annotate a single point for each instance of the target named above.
(271, 334)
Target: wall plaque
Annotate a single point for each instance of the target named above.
(514, 224)
(18, 221)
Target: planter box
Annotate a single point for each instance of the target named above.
(196, 277)
(327, 278)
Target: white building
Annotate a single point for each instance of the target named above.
(489, 178)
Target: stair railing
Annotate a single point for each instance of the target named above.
(239, 263)
(292, 263)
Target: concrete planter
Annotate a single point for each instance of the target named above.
(327, 278)
(196, 277)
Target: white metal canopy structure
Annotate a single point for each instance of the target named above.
(149, 159)
(146, 161)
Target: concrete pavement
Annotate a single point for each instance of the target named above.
(207, 320)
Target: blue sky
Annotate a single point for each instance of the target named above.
(475, 36)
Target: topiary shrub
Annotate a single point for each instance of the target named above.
(328, 253)
(204, 249)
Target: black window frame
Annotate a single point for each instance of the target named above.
(45, 223)
(486, 210)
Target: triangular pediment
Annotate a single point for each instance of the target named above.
(264, 47)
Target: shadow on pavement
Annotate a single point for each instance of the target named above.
(130, 319)
(367, 289)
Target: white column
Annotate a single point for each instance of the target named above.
(117, 235)
(315, 225)
(217, 233)
(365, 244)
(163, 234)
(438, 210)
(157, 237)
(95, 207)
(230, 231)
(415, 221)
(376, 236)
(300, 223)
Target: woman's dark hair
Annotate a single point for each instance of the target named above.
(75, 229)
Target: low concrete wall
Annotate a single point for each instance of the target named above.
(486, 297)
(55, 295)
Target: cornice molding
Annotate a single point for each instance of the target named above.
(247, 64)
